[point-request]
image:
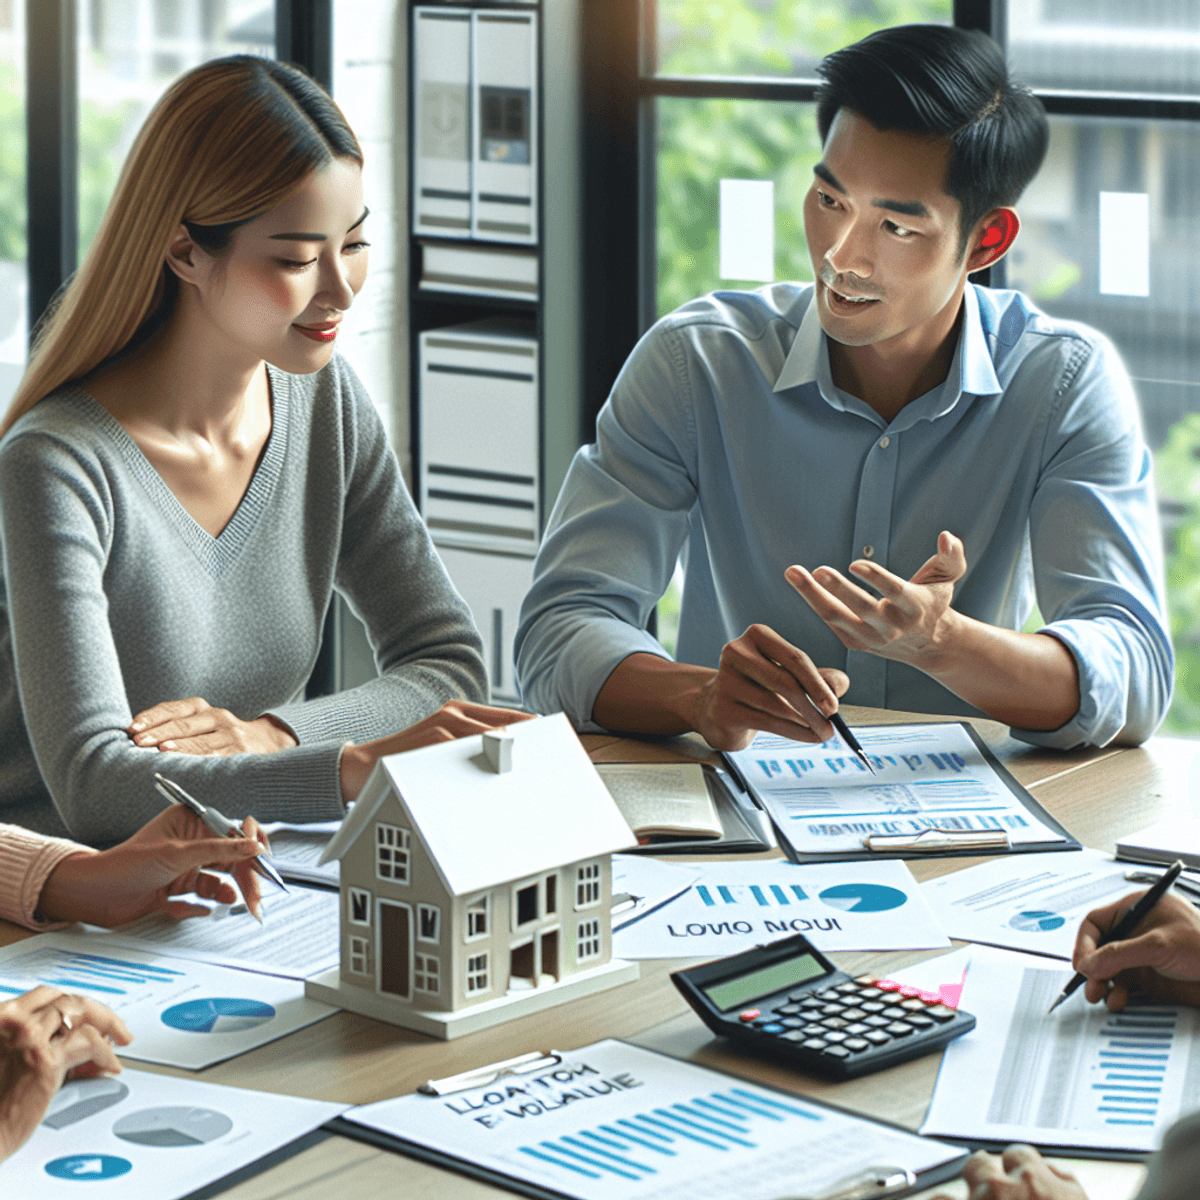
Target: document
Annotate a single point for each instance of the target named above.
(156, 1137)
(824, 801)
(296, 851)
(181, 1014)
(1032, 902)
(613, 1121)
(735, 906)
(299, 936)
(641, 885)
(1080, 1077)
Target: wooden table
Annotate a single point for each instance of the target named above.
(1098, 795)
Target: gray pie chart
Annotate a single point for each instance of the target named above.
(182, 1126)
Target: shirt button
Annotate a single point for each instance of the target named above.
(868, 552)
(884, 442)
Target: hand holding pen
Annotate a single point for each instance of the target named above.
(221, 826)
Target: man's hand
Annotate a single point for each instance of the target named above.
(1020, 1174)
(764, 682)
(1161, 960)
(163, 859)
(45, 1034)
(455, 719)
(195, 727)
(912, 621)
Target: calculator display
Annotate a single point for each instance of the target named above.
(732, 993)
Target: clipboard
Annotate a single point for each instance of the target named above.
(461, 1163)
(956, 846)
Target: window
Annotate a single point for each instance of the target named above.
(391, 853)
(587, 940)
(587, 885)
(426, 974)
(478, 925)
(429, 923)
(360, 955)
(551, 893)
(14, 280)
(360, 906)
(526, 907)
(477, 974)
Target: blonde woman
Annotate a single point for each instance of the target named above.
(188, 472)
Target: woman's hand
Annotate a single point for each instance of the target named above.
(1021, 1173)
(1161, 960)
(195, 727)
(163, 859)
(455, 719)
(44, 1035)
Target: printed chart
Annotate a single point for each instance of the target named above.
(824, 800)
(1082, 1077)
(735, 906)
(612, 1121)
(181, 1013)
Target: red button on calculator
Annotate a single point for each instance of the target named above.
(749, 1014)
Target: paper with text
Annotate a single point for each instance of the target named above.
(614, 1121)
(931, 776)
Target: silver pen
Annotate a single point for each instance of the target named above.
(875, 1181)
(216, 823)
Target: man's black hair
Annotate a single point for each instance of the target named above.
(940, 82)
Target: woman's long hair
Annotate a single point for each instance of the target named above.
(226, 143)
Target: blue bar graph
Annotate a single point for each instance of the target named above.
(1135, 1047)
(626, 1148)
(95, 973)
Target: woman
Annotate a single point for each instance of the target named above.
(187, 474)
(47, 1033)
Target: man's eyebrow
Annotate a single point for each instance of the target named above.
(910, 208)
(821, 171)
(315, 237)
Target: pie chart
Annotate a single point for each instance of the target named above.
(863, 897)
(219, 1014)
(173, 1126)
(1037, 920)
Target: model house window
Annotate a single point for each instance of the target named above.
(429, 923)
(477, 918)
(587, 885)
(426, 974)
(552, 893)
(360, 955)
(360, 907)
(477, 974)
(526, 907)
(587, 940)
(391, 853)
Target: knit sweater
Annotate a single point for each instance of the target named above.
(26, 860)
(113, 599)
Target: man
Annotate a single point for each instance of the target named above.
(948, 447)
(1160, 963)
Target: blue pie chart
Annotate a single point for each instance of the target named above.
(1037, 920)
(86, 1168)
(863, 897)
(219, 1014)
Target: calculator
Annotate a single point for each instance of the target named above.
(788, 1001)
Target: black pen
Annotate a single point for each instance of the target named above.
(1127, 924)
(844, 733)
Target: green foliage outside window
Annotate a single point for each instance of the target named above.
(12, 166)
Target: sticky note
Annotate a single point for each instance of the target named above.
(747, 229)
(1124, 244)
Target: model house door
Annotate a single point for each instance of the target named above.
(394, 953)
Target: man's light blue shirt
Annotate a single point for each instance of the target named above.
(726, 441)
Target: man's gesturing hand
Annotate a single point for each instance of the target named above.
(1021, 1173)
(764, 682)
(911, 621)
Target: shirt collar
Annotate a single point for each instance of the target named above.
(971, 373)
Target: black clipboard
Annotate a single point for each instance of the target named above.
(1102, 1153)
(1002, 773)
(472, 1170)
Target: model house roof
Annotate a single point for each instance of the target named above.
(483, 829)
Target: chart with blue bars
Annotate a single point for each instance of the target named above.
(104, 977)
(1135, 1049)
(638, 1147)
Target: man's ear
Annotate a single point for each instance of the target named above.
(993, 237)
(183, 256)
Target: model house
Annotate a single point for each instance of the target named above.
(475, 882)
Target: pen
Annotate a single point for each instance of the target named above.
(1128, 923)
(844, 733)
(216, 823)
(875, 1181)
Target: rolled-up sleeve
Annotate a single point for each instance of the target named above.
(614, 537)
(1097, 555)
